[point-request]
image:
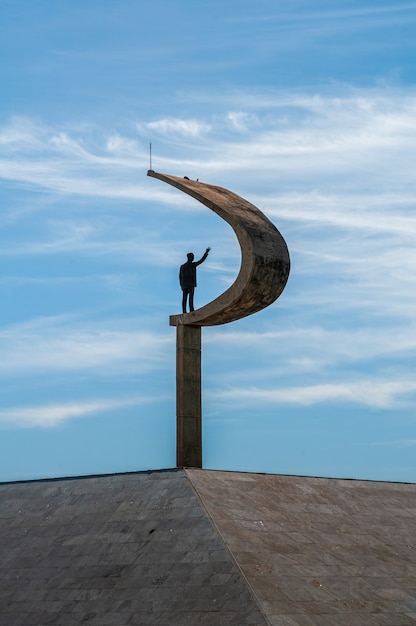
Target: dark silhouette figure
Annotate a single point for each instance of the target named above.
(187, 279)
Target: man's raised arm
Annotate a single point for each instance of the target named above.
(202, 259)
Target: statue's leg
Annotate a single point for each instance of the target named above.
(184, 298)
(191, 298)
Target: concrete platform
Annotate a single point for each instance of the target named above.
(196, 547)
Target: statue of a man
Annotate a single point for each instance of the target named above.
(187, 279)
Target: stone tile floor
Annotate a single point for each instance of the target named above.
(316, 550)
(121, 550)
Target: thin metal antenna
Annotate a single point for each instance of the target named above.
(150, 156)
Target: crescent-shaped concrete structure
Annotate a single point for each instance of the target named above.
(263, 275)
(265, 262)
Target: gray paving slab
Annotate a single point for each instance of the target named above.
(117, 550)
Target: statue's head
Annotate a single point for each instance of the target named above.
(190, 256)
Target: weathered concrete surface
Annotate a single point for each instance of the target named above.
(318, 551)
(120, 550)
(188, 397)
(265, 262)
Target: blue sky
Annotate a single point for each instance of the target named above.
(308, 110)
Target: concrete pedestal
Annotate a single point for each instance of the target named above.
(188, 396)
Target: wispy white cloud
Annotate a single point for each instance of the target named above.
(52, 415)
(397, 443)
(349, 150)
(76, 161)
(242, 121)
(190, 127)
(339, 14)
(96, 238)
(358, 141)
(117, 144)
(369, 212)
(116, 282)
(65, 344)
(350, 136)
(314, 347)
(376, 394)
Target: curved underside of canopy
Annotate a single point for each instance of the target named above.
(265, 262)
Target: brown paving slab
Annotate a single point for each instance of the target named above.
(315, 550)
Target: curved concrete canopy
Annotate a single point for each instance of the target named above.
(265, 262)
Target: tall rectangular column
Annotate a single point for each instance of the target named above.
(188, 396)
